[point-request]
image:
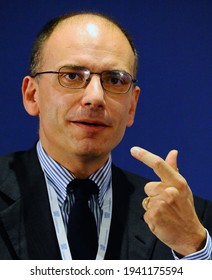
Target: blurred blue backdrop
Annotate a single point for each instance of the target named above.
(174, 42)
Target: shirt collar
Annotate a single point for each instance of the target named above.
(60, 177)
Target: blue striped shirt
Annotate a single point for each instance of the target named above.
(59, 177)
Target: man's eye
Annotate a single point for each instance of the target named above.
(116, 81)
(72, 76)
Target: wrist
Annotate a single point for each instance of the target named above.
(195, 244)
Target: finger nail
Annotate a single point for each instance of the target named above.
(135, 151)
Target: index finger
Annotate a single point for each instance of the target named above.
(160, 166)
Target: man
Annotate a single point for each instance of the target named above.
(82, 87)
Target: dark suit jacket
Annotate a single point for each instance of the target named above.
(26, 225)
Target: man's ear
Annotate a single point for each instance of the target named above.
(132, 110)
(30, 93)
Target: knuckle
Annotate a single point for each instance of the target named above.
(158, 162)
(172, 195)
(182, 184)
(157, 210)
(155, 216)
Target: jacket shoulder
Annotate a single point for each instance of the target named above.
(15, 168)
(6, 163)
(11, 160)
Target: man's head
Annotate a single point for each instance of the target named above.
(82, 125)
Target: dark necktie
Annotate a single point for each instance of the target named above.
(82, 230)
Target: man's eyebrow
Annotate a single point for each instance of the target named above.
(74, 66)
(81, 67)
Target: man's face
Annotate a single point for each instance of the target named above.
(83, 123)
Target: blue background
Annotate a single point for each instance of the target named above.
(174, 41)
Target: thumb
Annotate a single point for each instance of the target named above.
(171, 159)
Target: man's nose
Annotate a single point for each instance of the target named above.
(94, 96)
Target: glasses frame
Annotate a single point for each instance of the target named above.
(133, 81)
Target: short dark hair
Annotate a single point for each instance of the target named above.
(50, 26)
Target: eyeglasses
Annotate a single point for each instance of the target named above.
(76, 77)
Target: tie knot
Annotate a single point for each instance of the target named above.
(83, 188)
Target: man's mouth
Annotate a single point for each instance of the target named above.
(91, 124)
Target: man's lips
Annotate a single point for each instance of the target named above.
(92, 124)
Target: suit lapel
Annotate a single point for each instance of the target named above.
(142, 241)
(41, 237)
(132, 234)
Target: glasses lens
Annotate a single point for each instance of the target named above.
(72, 77)
(116, 81)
